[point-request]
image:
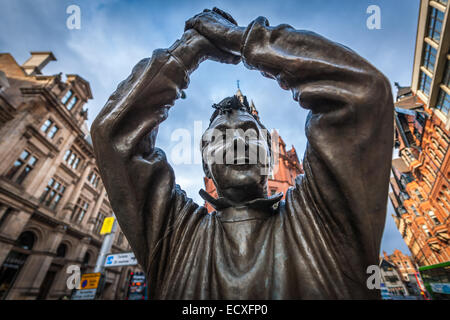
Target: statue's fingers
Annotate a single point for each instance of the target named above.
(225, 15)
(224, 57)
(189, 24)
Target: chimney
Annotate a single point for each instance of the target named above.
(37, 61)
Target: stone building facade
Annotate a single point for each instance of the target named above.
(286, 165)
(420, 176)
(52, 201)
(391, 278)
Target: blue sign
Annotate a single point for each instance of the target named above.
(440, 287)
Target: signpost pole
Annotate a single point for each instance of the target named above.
(104, 251)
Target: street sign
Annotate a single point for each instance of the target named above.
(440, 287)
(107, 225)
(88, 294)
(89, 281)
(120, 259)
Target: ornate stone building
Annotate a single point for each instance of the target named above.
(286, 165)
(420, 176)
(52, 201)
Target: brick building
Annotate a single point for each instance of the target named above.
(420, 176)
(52, 201)
(285, 169)
(403, 263)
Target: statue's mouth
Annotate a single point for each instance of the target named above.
(241, 161)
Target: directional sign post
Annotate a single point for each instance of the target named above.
(88, 294)
(120, 259)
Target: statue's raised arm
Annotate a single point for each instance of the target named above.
(349, 128)
(138, 179)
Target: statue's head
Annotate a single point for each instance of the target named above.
(236, 151)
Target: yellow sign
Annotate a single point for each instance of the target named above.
(89, 280)
(107, 225)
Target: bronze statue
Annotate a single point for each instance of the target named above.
(315, 244)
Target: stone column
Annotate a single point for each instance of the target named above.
(4, 251)
(65, 213)
(14, 224)
(81, 249)
(3, 209)
(96, 209)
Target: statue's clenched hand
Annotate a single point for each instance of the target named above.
(219, 28)
(193, 48)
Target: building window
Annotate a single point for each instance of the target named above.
(72, 159)
(431, 171)
(442, 150)
(418, 194)
(61, 251)
(429, 57)
(71, 103)
(442, 134)
(99, 221)
(427, 231)
(49, 128)
(22, 167)
(5, 215)
(53, 193)
(79, 211)
(416, 213)
(67, 96)
(424, 83)
(446, 80)
(435, 20)
(93, 178)
(435, 157)
(434, 218)
(444, 2)
(46, 126)
(441, 203)
(443, 103)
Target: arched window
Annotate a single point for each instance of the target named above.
(61, 251)
(26, 240)
(87, 258)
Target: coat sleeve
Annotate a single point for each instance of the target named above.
(138, 179)
(349, 127)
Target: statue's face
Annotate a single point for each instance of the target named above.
(236, 153)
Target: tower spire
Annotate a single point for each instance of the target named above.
(239, 93)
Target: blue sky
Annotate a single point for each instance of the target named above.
(116, 34)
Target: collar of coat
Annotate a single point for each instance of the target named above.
(222, 203)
